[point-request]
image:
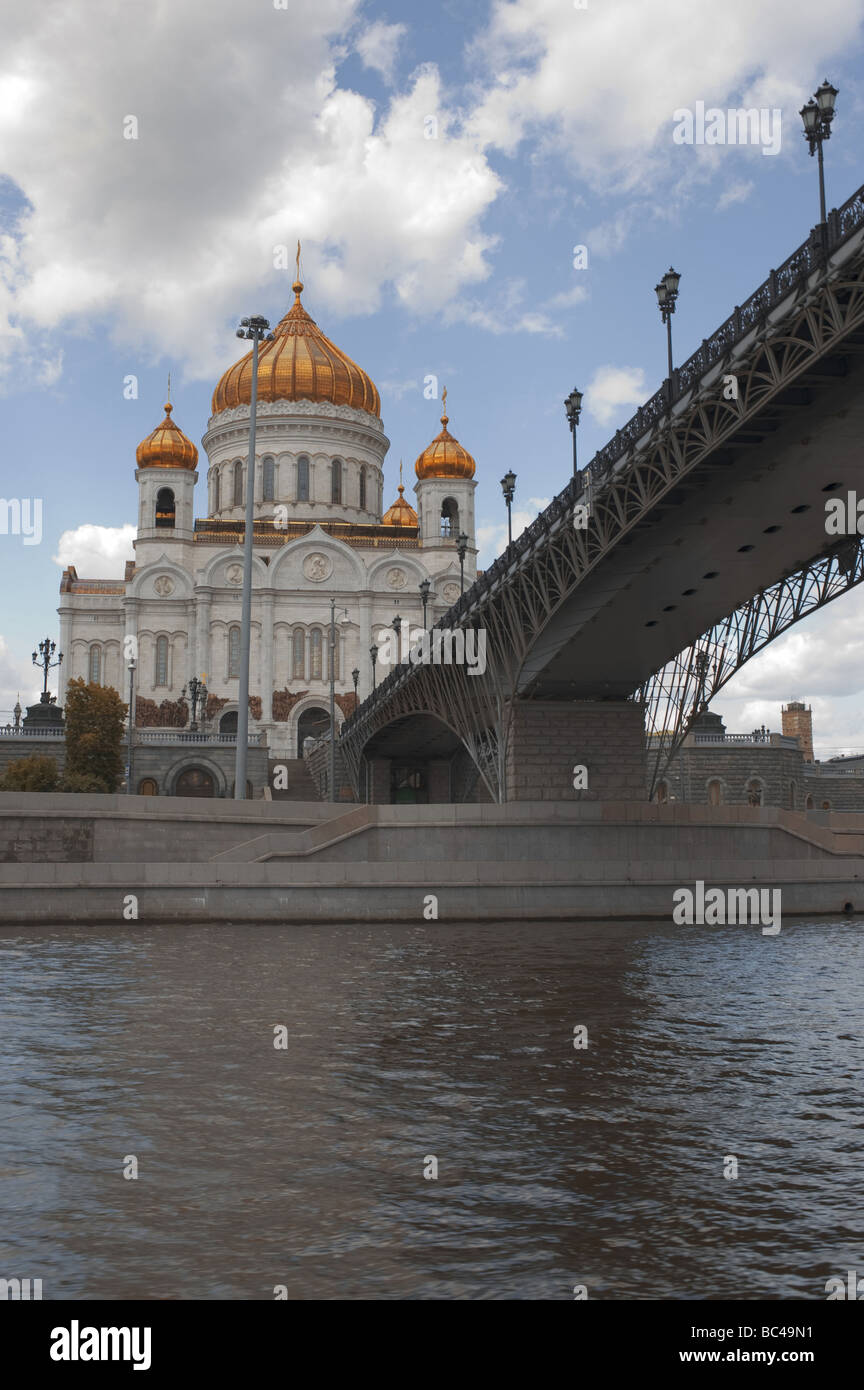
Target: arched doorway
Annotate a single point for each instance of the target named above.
(408, 785)
(194, 781)
(228, 722)
(313, 723)
(148, 787)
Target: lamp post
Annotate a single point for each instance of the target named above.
(817, 116)
(461, 550)
(131, 669)
(424, 594)
(197, 697)
(508, 487)
(355, 676)
(254, 328)
(373, 652)
(46, 651)
(573, 408)
(343, 613)
(667, 293)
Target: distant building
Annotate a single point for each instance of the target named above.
(716, 768)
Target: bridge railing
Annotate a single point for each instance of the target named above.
(810, 256)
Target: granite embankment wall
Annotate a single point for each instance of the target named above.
(97, 859)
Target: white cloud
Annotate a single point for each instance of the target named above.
(378, 47)
(168, 237)
(17, 678)
(97, 552)
(555, 73)
(492, 535)
(737, 192)
(610, 388)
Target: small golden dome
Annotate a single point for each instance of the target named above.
(401, 513)
(167, 446)
(299, 364)
(445, 457)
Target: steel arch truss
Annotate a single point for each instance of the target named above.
(684, 688)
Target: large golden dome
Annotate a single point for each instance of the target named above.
(300, 364)
(445, 457)
(167, 446)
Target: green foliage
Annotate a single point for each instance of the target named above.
(81, 782)
(95, 719)
(32, 774)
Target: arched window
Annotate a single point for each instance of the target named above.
(715, 792)
(95, 666)
(363, 488)
(336, 480)
(662, 793)
(298, 662)
(238, 484)
(449, 517)
(302, 479)
(754, 792)
(808, 805)
(160, 676)
(233, 652)
(165, 507)
(792, 795)
(315, 666)
(217, 491)
(268, 475)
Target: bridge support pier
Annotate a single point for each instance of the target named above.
(548, 739)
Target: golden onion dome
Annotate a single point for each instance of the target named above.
(445, 457)
(299, 364)
(167, 446)
(401, 513)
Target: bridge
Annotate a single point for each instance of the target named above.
(705, 540)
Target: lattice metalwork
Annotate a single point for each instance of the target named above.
(685, 686)
(801, 314)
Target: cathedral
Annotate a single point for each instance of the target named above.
(320, 533)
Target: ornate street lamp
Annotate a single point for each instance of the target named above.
(373, 652)
(508, 487)
(355, 676)
(462, 550)
(46, 651)
(667, 293)
(817, 116)
(424, 594)
(131, 670)
(573, 408)
(254, 328)
(197, 698)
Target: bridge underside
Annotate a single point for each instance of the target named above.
(754, 509)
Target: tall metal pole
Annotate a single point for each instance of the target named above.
(823, 217)
(669, 343)
(332, 701)
(131, 725)
(255, 328)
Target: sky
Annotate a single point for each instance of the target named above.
(441, 164)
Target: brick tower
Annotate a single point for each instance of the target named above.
(798, 723)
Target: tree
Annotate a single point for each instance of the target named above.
(32, 774)
(95, 718)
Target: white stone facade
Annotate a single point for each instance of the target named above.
(316, 464)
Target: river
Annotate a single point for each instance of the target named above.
(302, 1166)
